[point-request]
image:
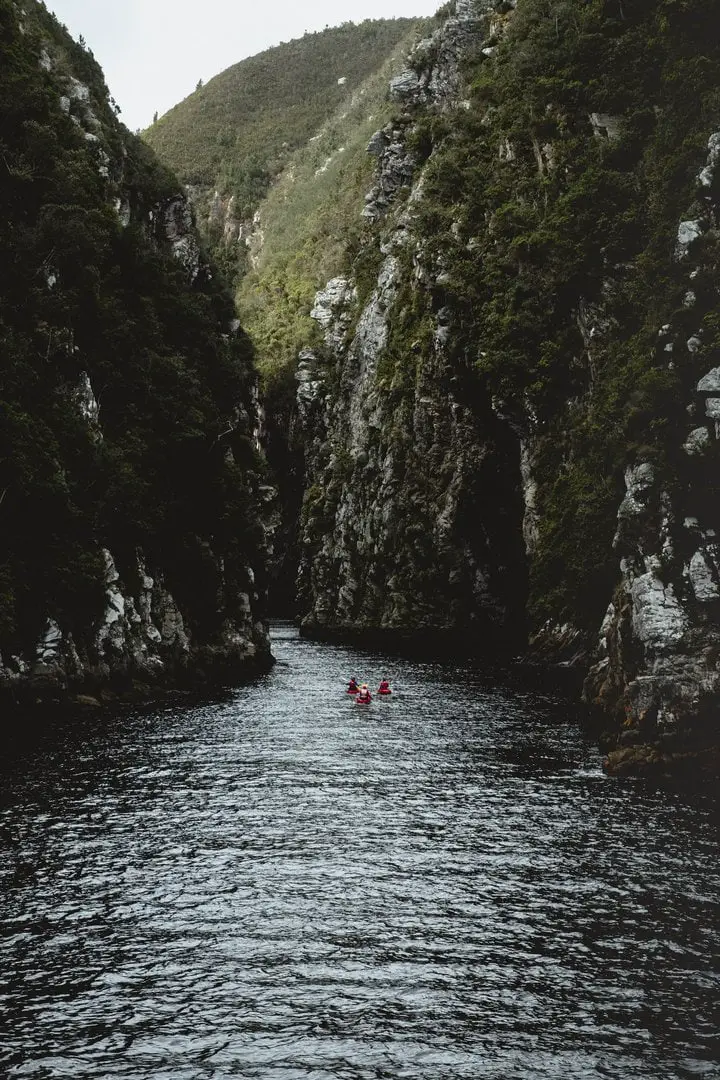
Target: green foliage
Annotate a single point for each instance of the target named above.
(239, 130)
(279, 133)
(551, 218)
(313, 229)
(82, 296)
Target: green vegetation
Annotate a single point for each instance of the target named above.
(82, 295)
(554, 235)
(552, 217)
(280, 134)
(312, 222)
(236, 133)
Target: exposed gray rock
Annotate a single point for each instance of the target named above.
(377, 144)
(396, 169)
(77, 91)
(595, 326)
(688, 232)
(434, 78)
(606, 126)
(86, 399)
(406, 87)
(658, 620)
(141, 633)
(177, 221)
(309, 382)
(333, 310)
(123, 210)
(50, 645)
(531, 517)
(639, 484)
(706, 175)
(710, 383)
(703, 573)
(697, 441)
(654, 645)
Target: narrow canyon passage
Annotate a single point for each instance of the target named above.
(281, 884)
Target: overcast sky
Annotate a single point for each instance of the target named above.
(154, 51)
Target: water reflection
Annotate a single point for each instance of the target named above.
(279, 883)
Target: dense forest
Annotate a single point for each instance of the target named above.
(571, 172)
(126, 402)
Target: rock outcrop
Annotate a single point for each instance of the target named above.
(132, 551)
(659, 652)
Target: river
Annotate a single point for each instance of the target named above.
(281, 884)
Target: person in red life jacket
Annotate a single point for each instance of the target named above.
(384, 687)
(364, 697)
(353, 687)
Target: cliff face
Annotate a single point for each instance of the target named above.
(132, 548)
(410, 519)
(511, 426)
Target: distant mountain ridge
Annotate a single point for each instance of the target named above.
(236, 133)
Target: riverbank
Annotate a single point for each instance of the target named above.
(49, 691)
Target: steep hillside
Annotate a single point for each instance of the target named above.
(131, 544)
(236, 133)
(306, 222)
(300, 237)
(510, 423)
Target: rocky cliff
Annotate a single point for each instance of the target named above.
(132, 549)
(511, 427)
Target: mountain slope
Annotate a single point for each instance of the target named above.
(235, 133)
(130, 538)
(308, 221)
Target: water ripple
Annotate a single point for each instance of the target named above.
(279, 884)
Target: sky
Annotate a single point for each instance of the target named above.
(153, 52)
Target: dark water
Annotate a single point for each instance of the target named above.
(284, 885)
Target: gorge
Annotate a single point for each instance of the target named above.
(486, 331)
(504, 417)
(390, 353)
